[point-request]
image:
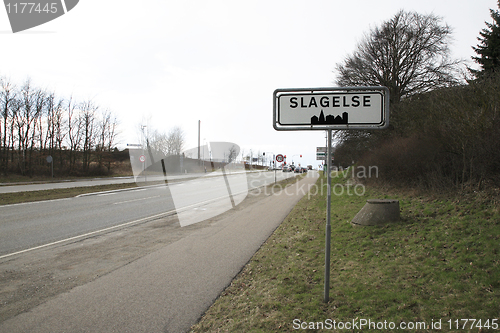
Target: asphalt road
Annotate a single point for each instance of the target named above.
(169, 289)
(29, 225)
(11, 188)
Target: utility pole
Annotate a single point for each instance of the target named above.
(199, 124)
(143, 153)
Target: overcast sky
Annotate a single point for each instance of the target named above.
(166, 63)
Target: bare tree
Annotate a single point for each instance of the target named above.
(74, 132)
(88, 115)
(158, 142)
(232, 154)
(34, 122)
(408, 54)
(37, 141)
(24, 117)
(167, 144)
(106, 134)
(8, 97)
(175, 141)
(56, 126)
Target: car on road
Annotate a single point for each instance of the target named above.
(300, 169)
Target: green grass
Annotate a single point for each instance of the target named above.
(19, 197)
(441, 262)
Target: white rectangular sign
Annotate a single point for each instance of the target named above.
(331, 108)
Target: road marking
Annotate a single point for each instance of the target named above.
(110, 192)
(113, 227)
(119, 225)
(89, 234)
(122, 202)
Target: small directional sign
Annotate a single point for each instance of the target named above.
(321, 153)
(331, 108)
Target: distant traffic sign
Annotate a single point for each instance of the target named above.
(331, 108)
(321, 153)
(142, 158)
(279, 158)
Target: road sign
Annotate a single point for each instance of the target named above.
(321, 153)
(331, 108)
(279, 158)
(142, 158)
(355, 108)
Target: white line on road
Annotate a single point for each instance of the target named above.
(122, 202)
(89, 234)
(119, 225)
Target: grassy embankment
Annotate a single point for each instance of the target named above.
(440, 263)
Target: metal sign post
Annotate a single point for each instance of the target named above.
(279, 159)
(328, 216)
(142, 159)
(51, 161)
(274, 167)
(342, 108)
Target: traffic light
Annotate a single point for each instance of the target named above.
(300, 156)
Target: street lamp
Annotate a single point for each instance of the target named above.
(296, 155)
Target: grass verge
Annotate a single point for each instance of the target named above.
(439, 265)
(19, 197)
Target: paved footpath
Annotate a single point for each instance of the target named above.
(168, 290)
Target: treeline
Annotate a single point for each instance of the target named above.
(446, 138)
(444, 129)
(34, 124)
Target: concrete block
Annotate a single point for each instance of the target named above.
(377, 212)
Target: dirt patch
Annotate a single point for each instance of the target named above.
(32, 278)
